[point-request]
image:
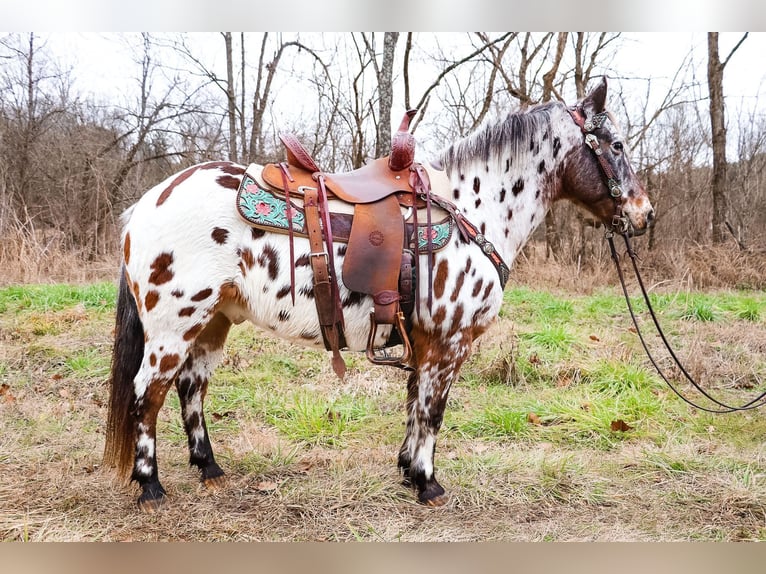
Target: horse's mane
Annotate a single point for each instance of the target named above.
(495, 140)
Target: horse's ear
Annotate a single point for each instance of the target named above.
(595, 101)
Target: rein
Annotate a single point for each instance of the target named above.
(758, 401)
(621, 225)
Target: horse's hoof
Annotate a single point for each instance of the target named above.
(215, 482)
(152, 498)
(433, 495)
(437, 501)
(151, 505)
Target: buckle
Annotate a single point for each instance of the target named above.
(621, 224)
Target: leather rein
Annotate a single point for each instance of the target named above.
(621, 225)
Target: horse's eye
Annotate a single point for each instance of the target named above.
(617, 146)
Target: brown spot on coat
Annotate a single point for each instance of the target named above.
(476, 185)
(257, 233)
(160, 269)
(202, 295)
(151, 299)
(488, 289)
(169, 362)
(518, 187)
(177, 293)
(187, 311)
(283, 292)
(457, 319)
(268, 259)
(220, 235)
(441, 278)
(247, 257)
(126, 249)
(225, 166)
(153, 360)
(440, 315)
(183, 176)
(228, 181)
(193, 332)
(458, 287)
(477, 287)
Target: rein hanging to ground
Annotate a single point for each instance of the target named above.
(759, 401)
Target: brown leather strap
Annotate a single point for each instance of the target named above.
(324, 297)
(421, 186)
(286, 178)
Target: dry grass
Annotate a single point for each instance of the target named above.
(678, 475)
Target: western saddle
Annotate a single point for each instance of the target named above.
(377, 262)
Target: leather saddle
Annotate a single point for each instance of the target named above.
(377, 261)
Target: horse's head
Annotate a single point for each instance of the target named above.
(598, 174)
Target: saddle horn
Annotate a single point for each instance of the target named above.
(403, 145)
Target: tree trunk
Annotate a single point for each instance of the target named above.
(386, 94)
(231, 97)
(718, 129)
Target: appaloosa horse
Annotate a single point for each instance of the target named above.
(192, 267)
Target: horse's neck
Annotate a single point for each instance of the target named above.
(507, 199)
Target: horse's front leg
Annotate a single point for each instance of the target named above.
(438, 361)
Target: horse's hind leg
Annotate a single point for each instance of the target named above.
(158, 370)
(192, 384)
(438, 365)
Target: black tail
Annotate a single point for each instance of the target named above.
(127, 355)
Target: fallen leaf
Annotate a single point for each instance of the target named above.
(266, 486)
(534, 419)
(594, 338)
(534, 359)
(4, 388)
(632, 329)
(563, 382)
(57, 376)
(63, 393)
(621, 426)
(219, 416)
(305, 466)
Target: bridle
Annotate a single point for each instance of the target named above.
(588, 126)
(621, 225)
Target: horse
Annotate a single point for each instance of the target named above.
(191, 267)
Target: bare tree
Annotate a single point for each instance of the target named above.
(231, 97)
(715, 69)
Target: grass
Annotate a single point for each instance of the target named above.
(558, 429)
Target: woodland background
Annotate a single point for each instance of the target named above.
(72, 158)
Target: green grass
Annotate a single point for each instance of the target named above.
(98, 296)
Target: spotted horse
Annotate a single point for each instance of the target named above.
(192, 267)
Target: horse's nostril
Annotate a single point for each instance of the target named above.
(650, 217)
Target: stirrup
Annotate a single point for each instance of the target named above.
(382, 358)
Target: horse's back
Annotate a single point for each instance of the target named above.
(181, 241)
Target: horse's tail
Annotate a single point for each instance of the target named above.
(127, 355)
